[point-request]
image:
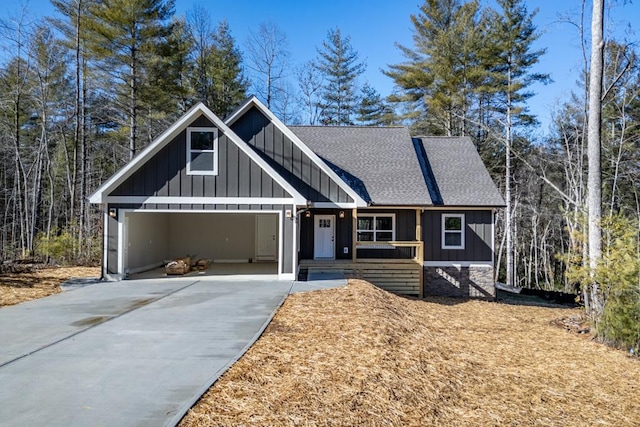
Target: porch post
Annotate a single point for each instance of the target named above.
(354, 234)
(420, 249)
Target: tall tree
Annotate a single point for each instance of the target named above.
(509, 54)
(124, 36)
(310, 83)
(268, 56)
(72, 25)
(594, 180)
(229, 85)
(339, 63)
(437, 80)
(219, 80)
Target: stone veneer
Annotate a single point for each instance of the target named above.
(475, 281)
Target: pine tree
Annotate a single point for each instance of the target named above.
(437, 82)
(373, 111)
(339, 63)
(124, 34)
(228, 84)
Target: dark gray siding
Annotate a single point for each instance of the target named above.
(287, 159)
(112, 245)
(405, 231)
(343, 233)
(165, 174)
(478, 237)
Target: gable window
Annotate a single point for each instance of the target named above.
(376, 228)
(202, 151)
(452, 231)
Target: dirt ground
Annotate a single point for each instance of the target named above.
(361, 356)
(20, 287)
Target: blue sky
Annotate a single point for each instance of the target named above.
(375, 26)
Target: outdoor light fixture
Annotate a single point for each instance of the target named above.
(307, 214)
(113, 212)
(341, 214)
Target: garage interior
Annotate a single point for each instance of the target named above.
(235, 243)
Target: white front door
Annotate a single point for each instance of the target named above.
(324, 236)
(266, 237)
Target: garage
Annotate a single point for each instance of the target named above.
(224, 238)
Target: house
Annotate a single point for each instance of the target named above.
(412, 215)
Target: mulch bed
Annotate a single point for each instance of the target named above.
(34, 283)
(361, 356)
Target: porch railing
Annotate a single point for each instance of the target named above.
(417, 247)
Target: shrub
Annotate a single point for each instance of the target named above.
(59, 247)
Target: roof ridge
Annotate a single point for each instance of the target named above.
(349, 126)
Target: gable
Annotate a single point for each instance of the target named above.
(165, 174)
(284, 155)
(245, 173)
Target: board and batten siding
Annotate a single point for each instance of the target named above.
(287, 159)
(165, 174)
(478, 237)
(405, 231)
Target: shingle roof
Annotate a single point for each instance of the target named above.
(458, 175)
(380, 163)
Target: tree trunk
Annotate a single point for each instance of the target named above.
(594, 179)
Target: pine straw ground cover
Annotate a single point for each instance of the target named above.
(20, 287)
(361, 356)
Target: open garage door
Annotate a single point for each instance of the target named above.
(231, 241)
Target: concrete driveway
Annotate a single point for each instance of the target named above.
(133, 353)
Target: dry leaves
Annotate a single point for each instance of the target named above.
(361, 356)
(20, 287)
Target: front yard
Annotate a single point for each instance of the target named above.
(361, 356)
(38, 283)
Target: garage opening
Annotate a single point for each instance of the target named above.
(233, 243)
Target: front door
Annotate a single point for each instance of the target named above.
(324, 236)
(266, 237)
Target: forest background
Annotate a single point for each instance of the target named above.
(84, 85)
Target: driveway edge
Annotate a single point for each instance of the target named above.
(181, 412)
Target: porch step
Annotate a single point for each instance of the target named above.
(324, 274)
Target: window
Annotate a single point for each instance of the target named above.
(202, 151)
(376, 228)
(452, 231)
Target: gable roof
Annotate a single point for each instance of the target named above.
(378, 162)
(168, 135)
(253, 101)
(455, 173)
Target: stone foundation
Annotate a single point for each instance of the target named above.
(466, 282)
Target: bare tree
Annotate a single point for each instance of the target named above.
(310, 83)
(268, 56)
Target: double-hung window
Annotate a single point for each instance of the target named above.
(376, 228)
(202, 151)
(452, 231)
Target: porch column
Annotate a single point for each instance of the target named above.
(354, 234)
(420, 249)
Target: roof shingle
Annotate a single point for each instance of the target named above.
(380, 163)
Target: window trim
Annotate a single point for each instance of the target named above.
(383, 243)
(214, 171)
(445, 216)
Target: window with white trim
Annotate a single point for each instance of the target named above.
(376, 228)
(202, 151)
(452, 231)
